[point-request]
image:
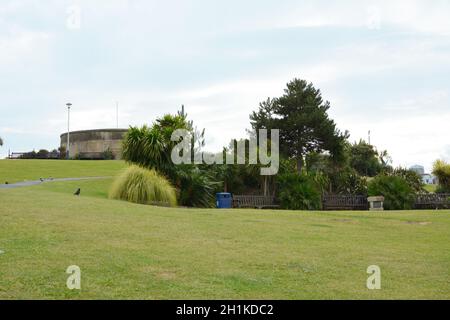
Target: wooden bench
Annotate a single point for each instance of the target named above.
(250, 201)
(432, 201)
(344, 202)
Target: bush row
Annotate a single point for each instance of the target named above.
(303, 191)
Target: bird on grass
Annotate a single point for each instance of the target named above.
(77, 193)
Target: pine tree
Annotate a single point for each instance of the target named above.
(301, 116)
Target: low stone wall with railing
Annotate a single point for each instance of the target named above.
(344, 202)
(359, 202)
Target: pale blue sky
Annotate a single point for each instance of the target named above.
(383, 65)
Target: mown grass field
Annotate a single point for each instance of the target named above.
(20, 170)
(430, 187)
(142, 252)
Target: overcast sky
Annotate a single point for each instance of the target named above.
(383, 65)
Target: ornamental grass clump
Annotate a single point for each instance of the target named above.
(143, 186)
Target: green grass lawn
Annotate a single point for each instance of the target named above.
(430, 187)
(21, 170)
(133, 251)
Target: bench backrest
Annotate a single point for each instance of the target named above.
(343, 202)
(253, 201)
(433, 198)
(432, 201)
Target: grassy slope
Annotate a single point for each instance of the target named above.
(20, 170)
(430, 187)
(98, 188)
(133, 251)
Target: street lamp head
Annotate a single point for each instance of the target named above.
(68, 105)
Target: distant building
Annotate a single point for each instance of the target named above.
(16, 155)
(420, 170)
(427, 178)
(91, 144)
(42, 154)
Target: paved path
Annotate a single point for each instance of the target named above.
(38, 182)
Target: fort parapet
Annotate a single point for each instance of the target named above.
(91, 144)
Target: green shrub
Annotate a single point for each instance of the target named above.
(298, 192)
(441, 170)
(107, 154)
(413, 179)
(143, 186)
(398, 194)
(62, 152)
(196, 187)
(151, 147)
(442, 189)
(347, 181)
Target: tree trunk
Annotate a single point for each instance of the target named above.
(299, 164)
(266, 186)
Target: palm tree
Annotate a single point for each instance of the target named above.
(441, 169)
(147, 147)
(151, 147)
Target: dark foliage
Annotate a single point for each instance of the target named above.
(298, 192)
(396, 191)
(301, 116)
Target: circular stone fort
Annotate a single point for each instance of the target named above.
(94, 144)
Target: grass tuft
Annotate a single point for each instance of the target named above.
(143, 186)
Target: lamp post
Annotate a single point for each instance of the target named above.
(68, 130)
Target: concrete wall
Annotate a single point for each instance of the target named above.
(90, 144)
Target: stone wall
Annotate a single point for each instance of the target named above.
(90, 144)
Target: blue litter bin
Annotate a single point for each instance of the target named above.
(224, 200)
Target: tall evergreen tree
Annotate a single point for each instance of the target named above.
(301, 115)
(364, 159)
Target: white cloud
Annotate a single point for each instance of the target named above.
(412, 137)
(183, 32)
(446, 153)
(18, 46)
(407, 15)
